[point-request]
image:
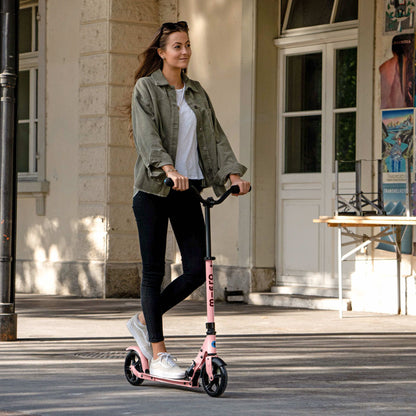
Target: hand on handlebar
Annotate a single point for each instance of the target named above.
(244, 186)
(180, 182)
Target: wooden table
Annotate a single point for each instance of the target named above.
(391, 226)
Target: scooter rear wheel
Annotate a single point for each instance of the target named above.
(132, 358)
(217, 386)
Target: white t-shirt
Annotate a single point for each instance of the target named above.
(186, 162)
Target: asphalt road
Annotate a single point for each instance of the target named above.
(70, 354)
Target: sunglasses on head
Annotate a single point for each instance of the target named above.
(173, 26)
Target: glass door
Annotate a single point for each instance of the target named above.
(317, 125)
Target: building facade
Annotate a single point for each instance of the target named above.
(296, 84)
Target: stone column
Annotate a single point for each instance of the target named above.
(112, 34)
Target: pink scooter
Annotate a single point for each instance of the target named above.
(206, 366)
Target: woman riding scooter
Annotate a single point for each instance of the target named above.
(177, 136)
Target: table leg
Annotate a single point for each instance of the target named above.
(340, 270)
(398, 235)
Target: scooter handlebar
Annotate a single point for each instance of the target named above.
(235, 189)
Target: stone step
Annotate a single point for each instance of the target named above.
(305, 290)
(297, 301)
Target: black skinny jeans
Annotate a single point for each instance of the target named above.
(152, 213)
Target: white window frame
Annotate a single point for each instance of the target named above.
(331, 26)
(31, 67)
(33, 183)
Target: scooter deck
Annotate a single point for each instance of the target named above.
(186, 382)
(177, 382)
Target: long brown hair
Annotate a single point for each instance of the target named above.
(150, 60)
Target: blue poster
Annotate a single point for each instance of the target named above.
(397, 148)
(395, 205)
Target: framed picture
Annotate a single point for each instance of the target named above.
(399, 16)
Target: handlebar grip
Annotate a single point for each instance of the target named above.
(168, 182)
(235, 189)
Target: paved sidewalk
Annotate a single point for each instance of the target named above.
(69, 359)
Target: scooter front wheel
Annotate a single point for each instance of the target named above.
(133, 359)
(217, 386)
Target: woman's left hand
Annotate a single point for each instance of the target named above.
(243, 185)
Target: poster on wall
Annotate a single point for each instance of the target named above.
(395, 205)
(399, 16)
(397, 143)
(397, 74)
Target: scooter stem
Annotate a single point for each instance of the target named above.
(210, 297)
(208, 233)
(209, 273)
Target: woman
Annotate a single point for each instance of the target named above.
(177, 136)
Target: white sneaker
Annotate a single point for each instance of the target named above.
(140, 334)
(165, 366)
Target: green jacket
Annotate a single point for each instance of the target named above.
(155, 119)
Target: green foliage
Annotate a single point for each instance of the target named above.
(345, 123)
(345, 141)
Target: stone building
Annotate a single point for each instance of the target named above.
(295, 84)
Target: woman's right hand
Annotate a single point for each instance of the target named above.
(180, 182)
